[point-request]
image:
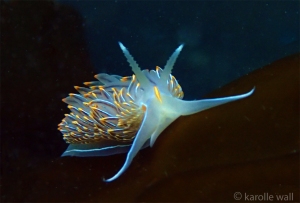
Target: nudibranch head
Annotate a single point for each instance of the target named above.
(125, 114)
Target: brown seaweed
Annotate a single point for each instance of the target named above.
(248, 146)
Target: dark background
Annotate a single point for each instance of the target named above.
(48, 47)
(223, 39)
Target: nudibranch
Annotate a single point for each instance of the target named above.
(126, 114)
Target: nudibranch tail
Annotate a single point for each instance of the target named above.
(104, 148)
